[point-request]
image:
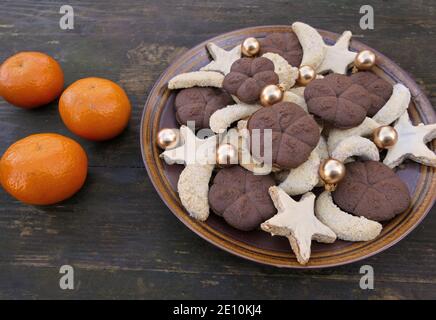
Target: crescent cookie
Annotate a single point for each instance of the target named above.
(346, 226)
(355, 146)
(287, 73)
(196, 79)
(193, 187)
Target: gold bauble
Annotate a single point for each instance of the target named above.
(226, 155)
(167, 138)
(364, 60)
(385, 137)
(305, 75)
(331, 171)
(270, 95)
(250, 47)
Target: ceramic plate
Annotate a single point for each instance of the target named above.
(259, 246)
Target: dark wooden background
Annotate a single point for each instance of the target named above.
(116, 232)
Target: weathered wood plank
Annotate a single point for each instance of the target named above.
(130, 235)
(35, 283)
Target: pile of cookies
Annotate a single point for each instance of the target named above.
(325, 119)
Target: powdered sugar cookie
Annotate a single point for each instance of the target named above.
(287, 74)
(312, 44)
(338, 57)
(411, 143)
(355, 146)
(303, 178)
(290, 96)
(196, 79)
(223, 118)
(222, 59)
(346, 226)
(297, 221)
(193, 187)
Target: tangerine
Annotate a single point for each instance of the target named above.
(95, 108)
(30, 79)
(43, 169)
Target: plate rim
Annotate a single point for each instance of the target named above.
(417, 95)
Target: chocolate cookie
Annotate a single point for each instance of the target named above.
(198, 104)
(294, 133)
(248, 76)
(372, 190)
(379, 90)
(284, 44)
(241, 197)
(338, 101)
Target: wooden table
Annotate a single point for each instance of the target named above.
(116, 232)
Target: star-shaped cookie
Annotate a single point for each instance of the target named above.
(222, 59)
(193, 150)
(337, 57)
(297, 221)
(411, 143)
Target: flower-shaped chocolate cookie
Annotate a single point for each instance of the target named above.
(284, 44)
(248, 77)
(198, 104)
(379, 89)
(241, 197)
(337, 100)
(294, 133)
(372, 190)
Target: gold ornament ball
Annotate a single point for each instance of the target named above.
(331, 171)
(305, 75)
(364, 60)
(250, 47)
(226, 155)
(270, 95)
(385, 137)
(168, 138)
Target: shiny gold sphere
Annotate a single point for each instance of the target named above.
(168, 138)
(226, 155)
(305, 75)
(385, 137)
(364, 60)
(250, 47)
(331, 171)
(270, 95)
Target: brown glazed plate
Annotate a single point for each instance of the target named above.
(259, 246)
